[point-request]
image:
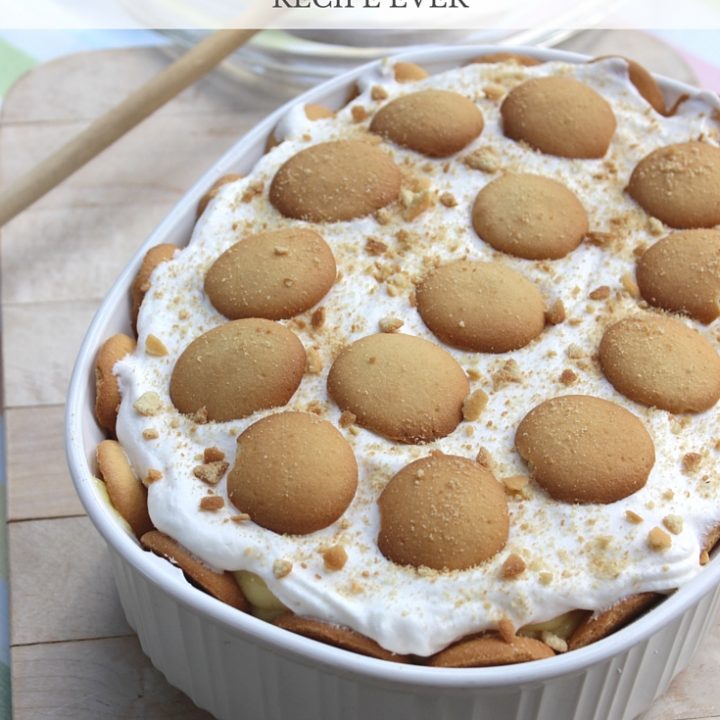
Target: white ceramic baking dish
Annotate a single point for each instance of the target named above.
(235, 665)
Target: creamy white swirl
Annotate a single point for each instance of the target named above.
(577, 556)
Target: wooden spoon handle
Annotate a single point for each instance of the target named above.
(106, 129)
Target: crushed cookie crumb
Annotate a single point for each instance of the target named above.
(506, 630)
(335, 558)
(448, 200)
(473, 374)
(359, 113)
(378, 93)
(574, 352)
(383, 216)
(212, 503)
(213, 454)
(314, 364)
(282, 568)
(600, 239)
(545, 578)
(317, 407)
(691, 462)
(200, 416)
(317, 319)
(556, 313)
(509, 373)
(414, 203)
(347, 419)
(493, 91)
(630, 285)
(553, 641)
(183, 314)
(375, 247)
(253, 190)
(390, 324)
(151, 477)
(704, 557)
(484, 459)
(568, 377)
(633, 517)
(148, 404)
(484, 159)
(474, 404)
(211, 472)
(517, 485)
(405, 239)
(155, 347)
(239, 518)
(513, 566)
(150, 434)
(416, 183)
(674, 523)
(280, 250)
(659, 540)
(397, 283)
(655, 226)
(600, 293)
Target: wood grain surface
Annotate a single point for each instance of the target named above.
(73, 654)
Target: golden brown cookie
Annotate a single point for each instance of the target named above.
(681, 273)
(601, 624)
(238, 368)
(221, 585)
(559, 116)
(485, 307)
(141, 284)
(127, 494)
(271, 275)
(443, 512)
(336, 635)
(436, 123)
(107, 392)
(500, 57)
(678, 185)
(215, 189)
(335, 181)
(294, 473)
(659, 361)
(582, 449)
(399, 386)
(405, 72)
(643, 81)
(488, 650)
(529, 216)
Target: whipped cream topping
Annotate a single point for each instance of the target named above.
(576, 556)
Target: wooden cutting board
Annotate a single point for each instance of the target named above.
(73, 654)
